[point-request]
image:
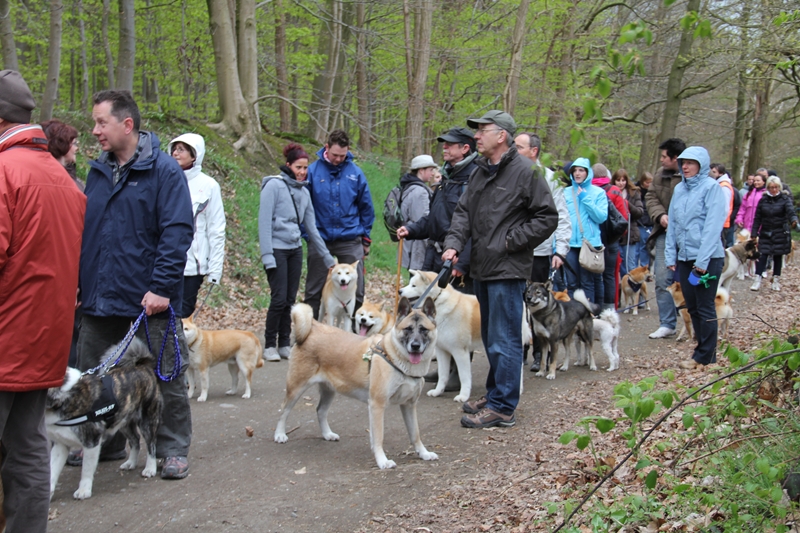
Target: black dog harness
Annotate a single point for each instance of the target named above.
(633, 285)
(103, 409)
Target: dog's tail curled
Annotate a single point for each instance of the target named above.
(722, 297)
(580, 296)
(137, 354)
(302, 319)
(610, 316)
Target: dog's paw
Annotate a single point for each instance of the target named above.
(330, 436)
(149, 472)
(635, 310)
(593, 367)
(435, 392)
(130, 464)
(612, 368)
(428, 456)
(246, 395)
(551, 376)
(461, 398)
(628, 311)
(539, 374)
(230, 392)
(280, 438)
(202, 398)
(386, 464)
(82, 494)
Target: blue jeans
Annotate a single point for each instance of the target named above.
(700, 304)
(630, 260)
(642, 255)
(730, 235)
(501, 303)
(664, 278)
(578, 278)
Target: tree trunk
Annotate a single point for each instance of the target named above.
(238, 117)
(186, 81)
(248, 53)
(515, 69)
(739, 125)
(7, 42)
(53, 61)
(107, 44)
(362, 86)
(126, 55)
(758, 140)
(281, 72)
(323, 83)
(420, 61)
(648, 150)
(84, 60)
(672, 109)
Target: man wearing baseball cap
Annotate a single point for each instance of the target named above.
(41, 223)
(415, 204)
(507, 212)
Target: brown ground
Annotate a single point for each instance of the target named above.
(485, 480)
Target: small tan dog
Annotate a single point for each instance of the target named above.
(240, 349)
(339, 296)
(789, 259)
(561, 296)
(721, 303)
(376, 370)
(633, 284)
(371, 320)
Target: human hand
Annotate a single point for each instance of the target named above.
(154, 304)
(664, 221)
(213, 279)
(672, 268)
(450, 255)
(557, 262)
(366, 249)
(402, 232)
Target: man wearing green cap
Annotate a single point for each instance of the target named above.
(507, 211)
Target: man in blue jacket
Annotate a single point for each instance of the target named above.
(344, 215)
(138, 229)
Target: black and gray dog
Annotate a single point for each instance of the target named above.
(556, 322)
(89, 409)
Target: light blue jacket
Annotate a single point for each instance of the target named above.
(592, 204)
(697, 214)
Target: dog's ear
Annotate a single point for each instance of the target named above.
(403, 309)
(429, 308)
(188, 319)
(355, 266)
(548, 285)
(411, 273)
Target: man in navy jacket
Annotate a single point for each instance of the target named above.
(138, 228)
(344, 215)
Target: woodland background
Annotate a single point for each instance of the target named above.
(604, 78)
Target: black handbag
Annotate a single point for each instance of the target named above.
(615, 225)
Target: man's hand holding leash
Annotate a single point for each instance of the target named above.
(154, 304)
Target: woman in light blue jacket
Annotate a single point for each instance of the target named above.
(590, 203)
(697, 214)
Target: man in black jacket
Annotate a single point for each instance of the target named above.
(458, 152)
(507, 212)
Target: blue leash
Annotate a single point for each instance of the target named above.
(122, 347)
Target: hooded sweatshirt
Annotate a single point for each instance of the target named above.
(207, 253)
(696, 215)
(592, 207)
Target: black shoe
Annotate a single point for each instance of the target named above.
(432, 377)
(537, 362)
(453, 382)
(75, 458)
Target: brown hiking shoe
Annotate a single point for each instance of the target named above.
(487, 418)
(473, 406)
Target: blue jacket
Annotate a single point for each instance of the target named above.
(697, 214)
(136, 233)
(592, 204)
(341, 198)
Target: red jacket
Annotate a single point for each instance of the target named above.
(41, 224)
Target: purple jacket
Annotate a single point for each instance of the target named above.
(747, 212)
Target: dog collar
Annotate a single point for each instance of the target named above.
(104, 408)
(378, 349)
(634, 285)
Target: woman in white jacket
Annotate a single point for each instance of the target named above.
(207, 253)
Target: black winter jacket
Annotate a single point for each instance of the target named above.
(507, 214)
(772, 224)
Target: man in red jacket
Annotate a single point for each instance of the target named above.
(41, 224)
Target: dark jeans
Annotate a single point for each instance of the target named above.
(777, 264)
(25, 469)
(729, 235)
(610, 275)
(284, 280)
(98, 333)
(578, 278)
(76, 330)
(344, 252)
(191, 286)
(700, 304)
(501, 302)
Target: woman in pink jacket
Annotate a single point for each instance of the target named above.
(749, 203)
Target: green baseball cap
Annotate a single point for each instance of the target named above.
(500, 118)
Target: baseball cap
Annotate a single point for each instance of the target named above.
(458, 135)
(16, 100)
(500, 118)
(423, 161)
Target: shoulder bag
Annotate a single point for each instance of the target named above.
(590, 258)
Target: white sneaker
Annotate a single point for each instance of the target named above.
(662, 332)
(284, 352)
(756, 283)
(765, 274)
(271, 354)
(776, 286)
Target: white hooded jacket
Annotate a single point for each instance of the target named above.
(207, 253)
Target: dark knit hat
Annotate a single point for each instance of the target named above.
(16, 100)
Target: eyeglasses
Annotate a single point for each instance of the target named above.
(74, 142)
(180, 150)
(486, 130)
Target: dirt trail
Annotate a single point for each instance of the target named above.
(308, 484)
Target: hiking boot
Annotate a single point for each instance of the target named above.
(487, 418)
(453, 382)
(473, 406)
(536, 365)
(75, 457)
(284, 352)
(756, 283)
(691, 364)
(271, 354)
(776, 284)
(175, 468)
(662, 332)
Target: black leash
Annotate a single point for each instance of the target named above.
(442, 279)
(635, 305)
(211, 288)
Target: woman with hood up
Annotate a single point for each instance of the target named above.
(588, 208)
(697, 214)
(285, 206)
(207, 253)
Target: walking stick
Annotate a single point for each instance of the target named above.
(397, 282)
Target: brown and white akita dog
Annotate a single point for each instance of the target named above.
(376, 370)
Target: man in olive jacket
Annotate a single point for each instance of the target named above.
(658, 198)
(507, 211)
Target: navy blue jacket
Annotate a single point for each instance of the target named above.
(341, 198)
(136, 233)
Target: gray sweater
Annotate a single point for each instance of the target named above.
(278, 227)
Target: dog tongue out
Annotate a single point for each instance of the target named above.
(344, 285)
(415, 357)
(363, 330)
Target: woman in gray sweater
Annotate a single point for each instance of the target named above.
(284, 216)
